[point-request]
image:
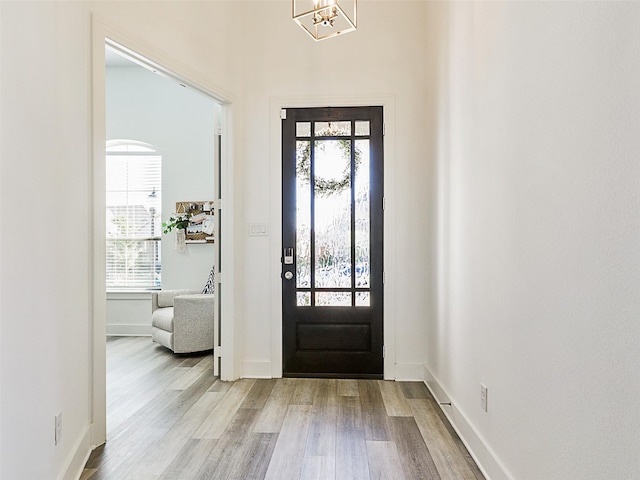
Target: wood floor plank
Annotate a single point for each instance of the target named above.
(304, 392)
(216, 423)
(141, 398)
(288, 454)
(259, 452)
(259, 394)
(384, 461)
(320, 453)
(351, 455)
(137, 369)
(203, 407)
(316, 467)
(414, 454)
(395, 403)
(192, 359)
(192, 373)
(188, 461)
(374, 415)
(413, 390)
(275, 408)
(321, 439)
(326, 392)
(231, 453)
(351, 447)
(151, 404)
(350, 414)
(174, 411)
(121, 437)
(220, 386)
(348, 388)
(129, 355)
(148, 375)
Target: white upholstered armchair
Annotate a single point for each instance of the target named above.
(182, 320)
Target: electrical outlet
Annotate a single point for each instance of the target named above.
(58, 429)
(483, 397)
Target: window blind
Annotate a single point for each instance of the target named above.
(133, 189)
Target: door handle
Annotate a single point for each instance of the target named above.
(288, 275)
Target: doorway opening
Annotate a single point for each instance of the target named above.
(105, 38)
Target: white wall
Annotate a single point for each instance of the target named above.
(45, 258)
(539, 172)
(180, 123)
(128, 313)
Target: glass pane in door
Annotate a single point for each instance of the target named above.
(303, 299)
(363, 299)
(362, 214)
(333, 299)
(303, 129)
(362, 128)
(332, 213)
(303, 215)
(332, 129)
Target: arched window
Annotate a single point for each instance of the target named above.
(134, 202)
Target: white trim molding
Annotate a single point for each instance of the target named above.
(78, 458)
(129, 330)
(256, 369)
(486, 459)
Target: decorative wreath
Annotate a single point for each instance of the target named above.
(323, 186)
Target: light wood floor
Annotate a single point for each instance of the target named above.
(169, 418)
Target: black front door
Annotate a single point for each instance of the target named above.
(332, 233)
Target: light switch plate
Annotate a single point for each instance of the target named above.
(258, 230)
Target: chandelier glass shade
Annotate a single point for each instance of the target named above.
(323, 19)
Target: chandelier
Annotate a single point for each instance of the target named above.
(323, 19)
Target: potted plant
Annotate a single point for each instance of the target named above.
(179, 222)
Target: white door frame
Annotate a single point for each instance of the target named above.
(104, 34)
(388, 103)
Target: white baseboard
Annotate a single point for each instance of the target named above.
(98, 436)
(256, 370)
(485, 458)
(78, 457)
(129, 330)
(408, 372)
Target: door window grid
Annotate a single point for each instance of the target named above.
(310, 249)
